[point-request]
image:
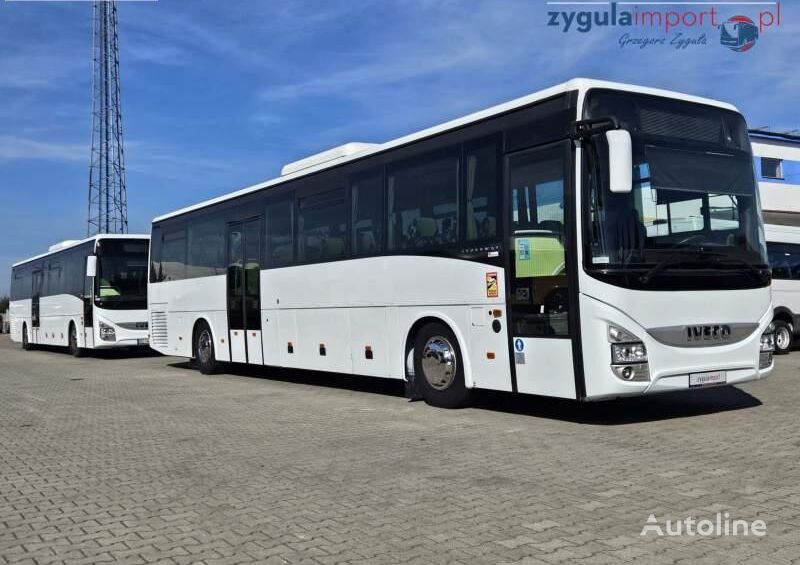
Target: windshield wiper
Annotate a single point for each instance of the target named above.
(700, 253)
(671, 260)
(750, 267)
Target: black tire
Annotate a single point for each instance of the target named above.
(26, 344)
(203, 347)
(784, 337)
(436, 349)
(74, 350)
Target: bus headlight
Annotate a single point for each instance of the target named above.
(628, 355)
(768, 339)
(618, 335)
(767, 347)
(107, 333)
(625, 353)
(639, 372)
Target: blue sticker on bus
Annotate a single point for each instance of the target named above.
(523, 249)
(519, 345)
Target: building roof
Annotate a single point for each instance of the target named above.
(582, 85)
(773, 135)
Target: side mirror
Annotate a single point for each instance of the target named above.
(620, 161)
(91, 266)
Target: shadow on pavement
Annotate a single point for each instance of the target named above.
(664, 406)
(621, 411)
(121, 353)
(374, 385)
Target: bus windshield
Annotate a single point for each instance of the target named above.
(692, 220)
(121, 280)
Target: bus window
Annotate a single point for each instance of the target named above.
(481, 192)
(539, 297)
(280, 246)
(322, 227)
(367, 204)
(423, 202)
(173, 256)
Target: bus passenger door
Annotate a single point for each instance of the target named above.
(244, 295)
(36, 293)
(538, 292)
(253, 231)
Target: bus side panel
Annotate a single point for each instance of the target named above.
(323, 339)
(369, 344)
(287, 338)
(19, 313)
(270, 337)
(56, 313)
(545, 366)
(182, 303)
(348, 306)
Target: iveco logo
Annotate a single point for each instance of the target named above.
(708, 333)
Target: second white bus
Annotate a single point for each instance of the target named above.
(783, 245)
(83, 295)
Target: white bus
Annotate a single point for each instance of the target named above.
(89, 294)
(561, 244)
(783, 245)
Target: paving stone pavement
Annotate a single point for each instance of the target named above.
(139, 459)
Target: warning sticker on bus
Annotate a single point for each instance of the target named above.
(492, 290)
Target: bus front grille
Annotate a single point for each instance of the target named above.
(158, 329)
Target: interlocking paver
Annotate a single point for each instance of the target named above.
(118, 459)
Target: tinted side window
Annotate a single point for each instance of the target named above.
(173, 255)
(74, 265)
(784, 259)
(481, 191)
(206, 248)
(21, 284)
(366, 194)
(423, 202)
(155, 256)
(322, 227)
(280, 247)
(55, 278)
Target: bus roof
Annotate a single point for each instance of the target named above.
(76, 243)
(582, 85)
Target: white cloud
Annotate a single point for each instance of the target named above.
(15, 148)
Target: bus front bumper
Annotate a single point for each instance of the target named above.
(669, 368)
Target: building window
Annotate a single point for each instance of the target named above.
(771, 168)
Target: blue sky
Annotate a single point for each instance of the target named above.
(218, 95)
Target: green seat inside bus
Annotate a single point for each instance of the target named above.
(540, 255)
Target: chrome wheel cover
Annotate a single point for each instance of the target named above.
(204, 346)
(439, 364)
(782, 337)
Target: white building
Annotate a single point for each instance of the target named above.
(777, 163)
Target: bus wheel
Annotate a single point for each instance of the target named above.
(26, 345)
(438, 367)
(783, 337)
(74, 350)
(204, 350)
